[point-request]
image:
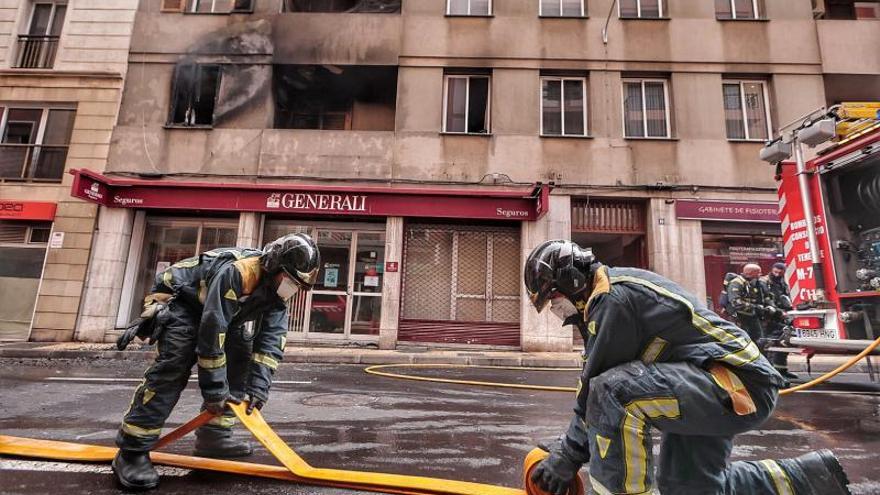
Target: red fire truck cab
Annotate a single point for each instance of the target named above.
(843, 191)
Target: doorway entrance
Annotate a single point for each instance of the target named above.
(346, 301)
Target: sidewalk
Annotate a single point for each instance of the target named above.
(409, 355)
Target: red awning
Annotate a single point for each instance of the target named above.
(529, 203)
(13, 209)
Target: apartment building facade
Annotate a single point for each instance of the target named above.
(62, 66)
(429, 145)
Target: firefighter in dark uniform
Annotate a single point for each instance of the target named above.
(197, 312)
(747, 301)
(777, 297)
(657, 357)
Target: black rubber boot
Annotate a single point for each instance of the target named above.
(134, 470)
(218, 443)
(816, 473)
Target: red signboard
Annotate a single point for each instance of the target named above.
(798, 263)
(727, 211)
(519, 204)
(12, 209)
(391, 266)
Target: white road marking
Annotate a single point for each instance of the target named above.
(64, 467)
(138, 380)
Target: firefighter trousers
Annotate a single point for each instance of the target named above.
(696, 419)
(164, 381)
(774, 331)
(752, 325)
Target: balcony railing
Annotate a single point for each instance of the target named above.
(36, 52)
(32, 162)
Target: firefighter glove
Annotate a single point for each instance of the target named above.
(253, 402)
(555, 473)
(218, 407)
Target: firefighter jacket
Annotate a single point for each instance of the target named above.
(635, 314)
(745, 297)
(228, 287)
(776, 292)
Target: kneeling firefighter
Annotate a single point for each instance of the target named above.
(655, 356)
(196, 312)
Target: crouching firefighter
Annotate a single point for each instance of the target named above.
(656, 357)
(196, 313)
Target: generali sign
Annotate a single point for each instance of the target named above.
(341, 203)
(424, 202)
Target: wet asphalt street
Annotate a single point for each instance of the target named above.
(338, 416)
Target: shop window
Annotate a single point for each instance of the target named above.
(34, 142)
(220, 6)
(640, 9)
(739, 9)
(646, 108)
(331, 97)
(746, 113)
(563, 106)
(466, 104)
(469, 7)
(194, 94)
(167, 241)
(562, 8)
(22, 252)
(348, 6)
(727, 247)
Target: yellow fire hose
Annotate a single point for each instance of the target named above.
(295, 469)
(377, 370)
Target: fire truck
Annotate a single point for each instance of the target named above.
(829, 207)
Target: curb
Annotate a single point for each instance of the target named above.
(797, 364)
(315, 357)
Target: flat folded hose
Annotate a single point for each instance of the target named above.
(295, 469)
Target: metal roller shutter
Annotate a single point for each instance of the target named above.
(461, 285)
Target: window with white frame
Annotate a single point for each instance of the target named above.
(563, 106)
(640, 9)
(220, 6)
(469, 7)
(746, 113)
(466, 104)
(739, 9)
(646, 108)
(34, 142)
(562, 8)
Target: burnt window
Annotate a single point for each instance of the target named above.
(194, 94)
(335, 97)
(351, 6)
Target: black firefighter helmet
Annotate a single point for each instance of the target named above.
(296, 255)
(557, 266)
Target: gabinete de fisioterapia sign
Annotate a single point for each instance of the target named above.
(317, 201)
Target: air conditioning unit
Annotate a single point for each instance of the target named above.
(173, 5)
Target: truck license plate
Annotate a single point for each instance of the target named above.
(817, 333)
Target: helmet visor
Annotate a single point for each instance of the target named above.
(304, 279)
(540, 284)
